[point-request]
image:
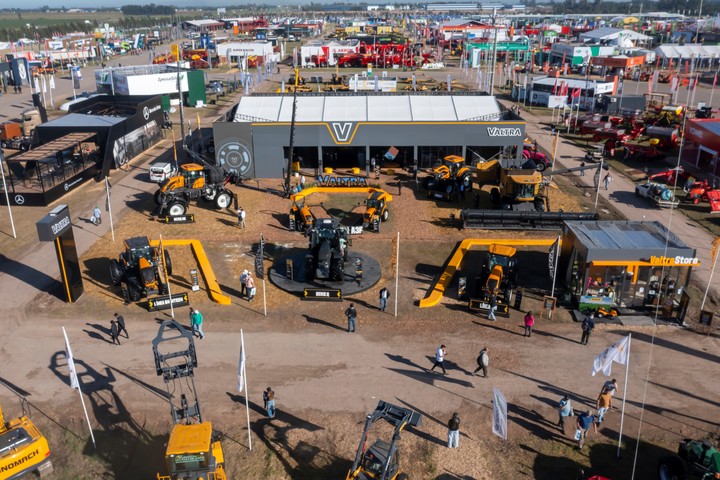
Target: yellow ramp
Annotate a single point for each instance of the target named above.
(436, 291)
(203, 264)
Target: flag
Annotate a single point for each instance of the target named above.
(71, 363)
(552, 254)
(674, 84)
(617, 352)
(52, 82)
(241, 367)
(499, 426)
(576, 93)
(259, 257)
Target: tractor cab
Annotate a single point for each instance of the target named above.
(499, 269)
(374, 460)
(449, 167)
(138, 248)
(192, 450)
(194, 175)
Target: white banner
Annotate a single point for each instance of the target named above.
(617, 352)
(52, 82)
(71, 363)
(241, 368)
(499, 426)
(44, 85)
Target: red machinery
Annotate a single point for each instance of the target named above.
(670, 176)
(698, 191)
(618, 135)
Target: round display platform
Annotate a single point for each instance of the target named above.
(352, 285)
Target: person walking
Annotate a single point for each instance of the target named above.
(243, 281)
(582, 165)
(608, 180)
(97, 216)
(611, 386)
(351, 314)
(121, 325)
(588, 324)
(454, 431)
(373, 162)
(250, 287)
(493, 306)
(241, 217)
(564, 410)
(440, 359)
(584, 421)
(196, 320)
(529, 322)
(384, 295)
(269, 399)
(114, 333)
(483, 360)
(603, 404)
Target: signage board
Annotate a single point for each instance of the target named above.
(188, 218)
(54, 224)
(483, 306)
(322, 294)
(155, 84)
(163, 302)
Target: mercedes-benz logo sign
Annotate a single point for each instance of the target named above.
(67, 187)
(235, 156)
(146, 113)
(19, 199)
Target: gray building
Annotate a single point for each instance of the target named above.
(345, 130)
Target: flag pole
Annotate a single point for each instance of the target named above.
(622, 413)
(167, 280)
(557, 255)
(247, 406)
(109, 208)
(397, 270)
(82, 399)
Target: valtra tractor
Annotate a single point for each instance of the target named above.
(447, 176)
(328, 251)
(139, 268)
(194, 182)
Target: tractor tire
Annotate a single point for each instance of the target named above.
(309, 268)
(347, 65)
(115, 272)
(209, 194)
(337, 271)
(133, 289)
(467, 182)
(539, 204)
(495, 196)
(540, 166)
(168, 263)
(177, 208)
(671, 467)
(426, 183)
(158, 197)
(223, 200)
(385, 215)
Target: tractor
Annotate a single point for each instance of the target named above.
(139, 268)
(380, 461)
(194, 182)
(376, 210)
(448, 176)
(327, 254)
(514, 189)
(300, 218)
(498, 276)
(695, 459)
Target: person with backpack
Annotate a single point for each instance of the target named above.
(351, 314)
(454, 431)
(384, 295)
(588, 324)
(483, 361)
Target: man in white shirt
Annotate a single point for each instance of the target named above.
(439, 359)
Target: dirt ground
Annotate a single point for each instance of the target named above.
(327, 380)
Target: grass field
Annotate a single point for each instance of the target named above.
(46, 19)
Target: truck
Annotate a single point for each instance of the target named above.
(23, 449)
(193, 182)
(657, 193)
(20, 136)
(161, 171)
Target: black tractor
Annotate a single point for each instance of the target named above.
(138, 267)
(328, 246)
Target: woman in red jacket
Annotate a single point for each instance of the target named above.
(529, 322)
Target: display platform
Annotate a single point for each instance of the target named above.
(370, 274)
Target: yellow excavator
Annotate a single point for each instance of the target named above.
(193, 451)
(23, 449)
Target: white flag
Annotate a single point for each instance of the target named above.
(617, 352)
(52, 82)
(71, 363)
(44, 85)
(499, 426)
(37, 84)
(241, 368)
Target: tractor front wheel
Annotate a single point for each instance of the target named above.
(133, 289)
(115, 272)
(168, 263)
(336, 270)
(385, 215)
(671, 467)
(223, 200)
(540, 166)
(176, 209)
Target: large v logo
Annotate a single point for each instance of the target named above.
(342, 131)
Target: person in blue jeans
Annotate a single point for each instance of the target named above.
(269, 398)
(584, 422)
(454, 431)
(196, 320)
(493, 306)
(351, 314)
(565, 409)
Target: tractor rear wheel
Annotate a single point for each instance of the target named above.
(168, 263)
(177, 208)
(671, 467)
(336, 270)
(157, 196)
(540, 166)
(223, 200)
(385, 215)
(133, 289)
(115, 272)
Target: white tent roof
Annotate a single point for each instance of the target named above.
(368, 108)
(607, 33)
(688, 51)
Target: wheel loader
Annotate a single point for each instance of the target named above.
(448, 176)
(498, 276)
(140, 268)
(194, 451)
(376, 210)
(381, 460)
(23, 449)
(194, 182)
(327, 254)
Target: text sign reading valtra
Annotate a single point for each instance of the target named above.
(677, 260)
(328, 181)
(503, 132)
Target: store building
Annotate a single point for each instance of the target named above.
(702, 145)
(626, 264)
(544, 91)
(345, 130)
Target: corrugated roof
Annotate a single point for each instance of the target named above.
(606, 33)
(48, 150)
(624, 235)
(712, 125)
(369, 108)
(688, 51)
(83, 121)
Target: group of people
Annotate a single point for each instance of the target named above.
(247, 285)
(586, 419)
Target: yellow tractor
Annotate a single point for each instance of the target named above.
(301, 218)
(194, 451)
(141, 268)
(447, 177)
(23, 449)
(194, 182)
(512, 188)
(376, 210)
(497, 277)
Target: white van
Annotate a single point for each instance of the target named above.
(161, 171)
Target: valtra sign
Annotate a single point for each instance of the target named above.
(504, 132)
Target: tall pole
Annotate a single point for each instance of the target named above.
(622, 413)
(599, 180)
(247, 389)
(557, 257)
(291, 147)
(7, 197)
(397, 270)
(494, 54)
(712, 271)
(72, 79)
(182, 111)
(167, 278)
(109, 207)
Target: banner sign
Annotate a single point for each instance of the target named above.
(322, 294)
(163, 302)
